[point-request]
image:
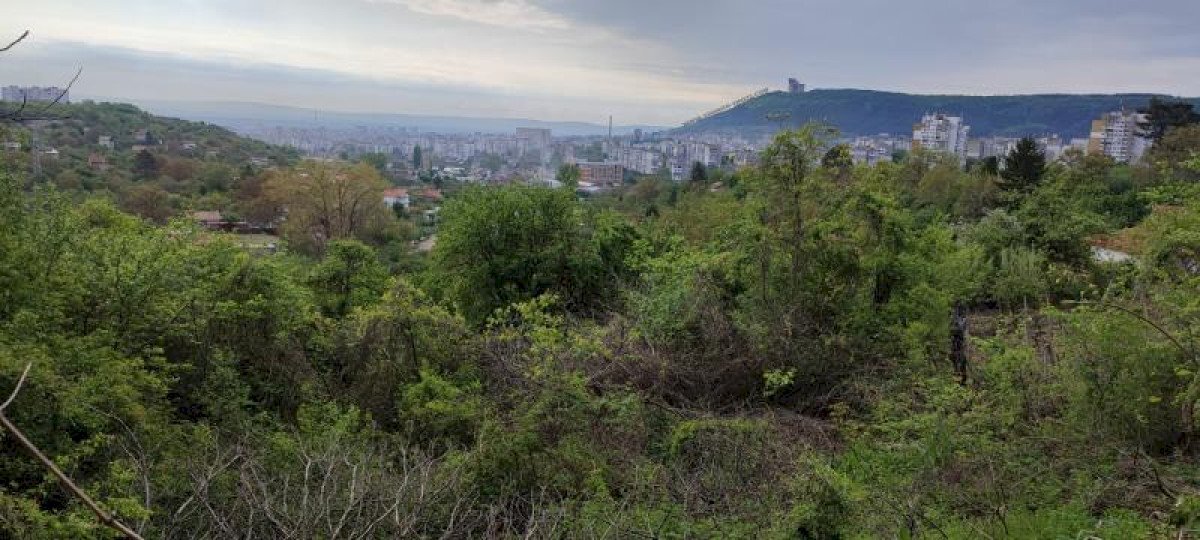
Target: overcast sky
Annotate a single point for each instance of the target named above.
(644, 61)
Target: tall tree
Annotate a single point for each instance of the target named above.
(148, 201)
(1024, 167)
(839, 160)
(417, 158)
(699, 173)
(145, 165)
(497, 246)
(568, 175)
(1162, 115)
(328, 202)
(838, 157)
(375, 159)
(990, 166)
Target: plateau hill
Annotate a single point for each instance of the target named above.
(868, 112)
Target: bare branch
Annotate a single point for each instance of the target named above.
(17, 389)
(14, 43)
(18, 114)
(1188, 351)
(107, 519)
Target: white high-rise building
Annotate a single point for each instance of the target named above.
(537, 138)
(34, 94)
(1116, 135)
(941, 133)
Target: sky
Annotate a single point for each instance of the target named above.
(656, 62)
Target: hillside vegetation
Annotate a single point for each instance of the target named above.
(869, 112)
(156, 167)
(801, 349)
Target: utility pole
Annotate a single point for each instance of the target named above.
(36, 156)
(610, 139)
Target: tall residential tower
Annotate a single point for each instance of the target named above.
(941, 133)
(1115, 135)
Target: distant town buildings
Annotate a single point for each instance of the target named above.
(34, 94)
(873, 150)
(795, 87)
(536, 138)
(209, 219)
(639, 160)
(941, 133)
(1115, 134)
(601, 174)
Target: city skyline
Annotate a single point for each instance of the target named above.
(564, 60)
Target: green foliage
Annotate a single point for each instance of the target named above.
(350, 276)
(568, 174)
(434, 409)
(503, 245)
(145, 165)
(1020, 277)
(1055, 223)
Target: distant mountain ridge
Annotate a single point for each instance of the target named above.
(868, 112)
(244, 116)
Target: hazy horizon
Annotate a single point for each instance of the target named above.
(565, 60)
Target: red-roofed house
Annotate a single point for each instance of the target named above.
(394, 196)
(432, 194)
(98, 162)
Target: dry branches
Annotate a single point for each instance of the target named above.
(14, 43)
(19, 115)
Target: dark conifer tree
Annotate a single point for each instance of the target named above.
(1024, 167)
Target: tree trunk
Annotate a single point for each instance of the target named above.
(958, 342)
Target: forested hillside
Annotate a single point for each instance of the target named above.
(803, 348)
(869, 112)
(152, 166)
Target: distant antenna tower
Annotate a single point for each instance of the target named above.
(610, 128)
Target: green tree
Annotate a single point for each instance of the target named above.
(375, 159)
(417, 159)
(497, 246)
(1171, 155)
(148, 201)
(145, 165)
(838, 160)
(990, 166)
(699, 174)
(349, 277)
(1024, 167)
(328, 202)
(1162, 115)
(568, 175)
